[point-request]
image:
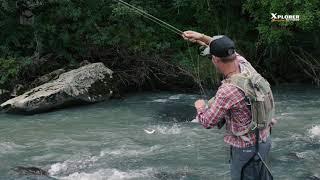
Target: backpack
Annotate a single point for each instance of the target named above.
(258, 96)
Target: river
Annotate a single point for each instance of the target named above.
(108, 140)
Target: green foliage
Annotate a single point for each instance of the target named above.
(279, 32)
(68, 29)
(277, 41)
(9, 69)
(16, 40)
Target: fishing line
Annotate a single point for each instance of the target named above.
(197, 70)
(152, 18)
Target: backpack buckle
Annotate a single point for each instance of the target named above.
(254, 127)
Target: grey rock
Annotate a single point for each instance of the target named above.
(21, 170)
(313, 178)
(48, 77)
(88, 84)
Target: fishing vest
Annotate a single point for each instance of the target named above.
(258, 96)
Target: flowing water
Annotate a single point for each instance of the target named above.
(108, 140)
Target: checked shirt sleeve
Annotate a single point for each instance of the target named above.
(226, 97)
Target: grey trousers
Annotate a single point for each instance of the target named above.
(253, 171)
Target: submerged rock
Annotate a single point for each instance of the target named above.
(87, 84)
(313, 178)
(21, 170)
(175, 175)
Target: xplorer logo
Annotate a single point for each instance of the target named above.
(282, 18)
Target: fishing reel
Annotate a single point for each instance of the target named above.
(204, 51)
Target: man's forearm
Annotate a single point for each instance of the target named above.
(206, 39)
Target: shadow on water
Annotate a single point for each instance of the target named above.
(176, 112)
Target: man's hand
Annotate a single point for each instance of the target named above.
(200, 105)
(195, 37)
(273, 122)
(192, 35)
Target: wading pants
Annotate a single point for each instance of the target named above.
(255, 170)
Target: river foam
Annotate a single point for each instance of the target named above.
(73, 168)
(130, 151)
(315, 131)
(109, 174)
(72, 165)
(174, 129)
(175, 97)
(160, 100)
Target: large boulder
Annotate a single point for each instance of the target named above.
(87, 84)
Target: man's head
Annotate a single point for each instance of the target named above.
(222, 50)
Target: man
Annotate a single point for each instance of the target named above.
(243, 102)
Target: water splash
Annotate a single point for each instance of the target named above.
(72, 165)
(174, 129)
(315, 132)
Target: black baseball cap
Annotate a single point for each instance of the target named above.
(222, 46)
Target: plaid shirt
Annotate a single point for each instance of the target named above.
(230, 105)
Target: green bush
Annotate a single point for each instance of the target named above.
(9, 70)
